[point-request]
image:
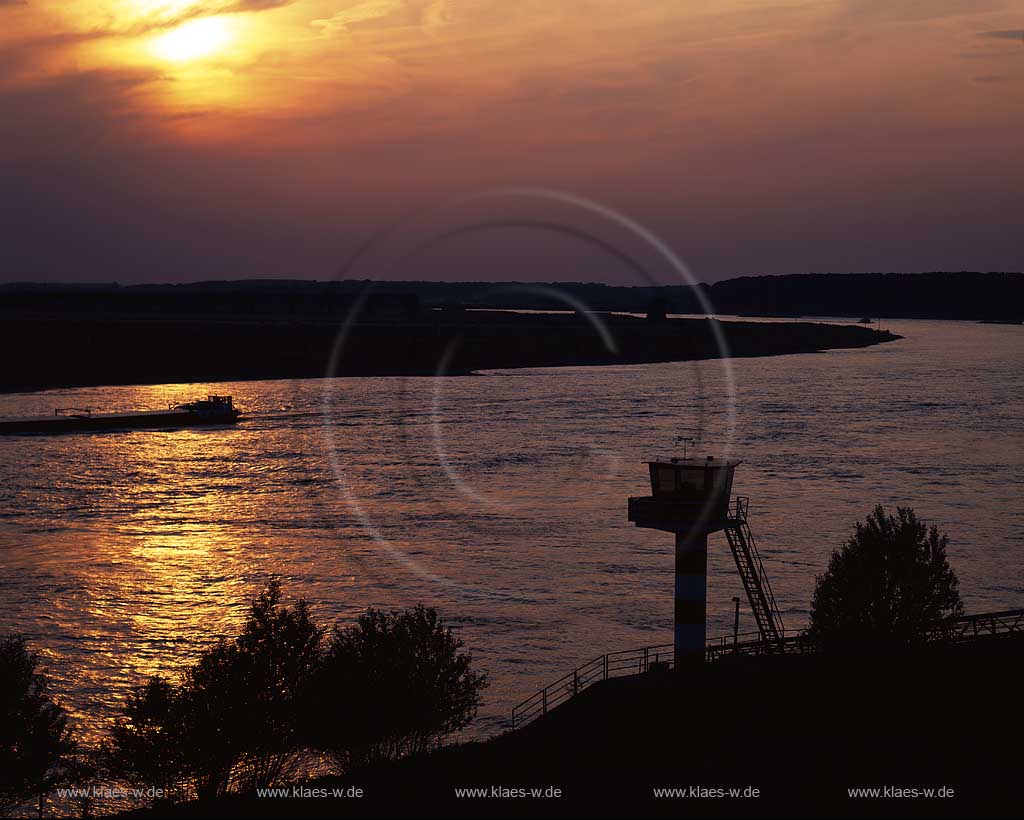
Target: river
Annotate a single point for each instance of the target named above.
(499, 498)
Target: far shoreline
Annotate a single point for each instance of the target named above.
(58, 354)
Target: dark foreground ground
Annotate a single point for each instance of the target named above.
(802, 731)
(70, 350)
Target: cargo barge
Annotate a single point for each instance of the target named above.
(212, 410)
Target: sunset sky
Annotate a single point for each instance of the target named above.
(156, 140)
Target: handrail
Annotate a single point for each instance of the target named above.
(969, 626)
(637, 661)
(738, 511)
(773, 609)
(634, 662)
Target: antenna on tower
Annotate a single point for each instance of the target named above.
(684, 440)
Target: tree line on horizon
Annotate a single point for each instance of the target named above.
(936, 295)
(256, 710)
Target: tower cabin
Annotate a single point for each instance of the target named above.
(688, 496)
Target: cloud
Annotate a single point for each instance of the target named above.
(258, 5)
(158, 22)
(1007, 34)
(117, 174)
(911, 10)
(382, 14)
(360, 12)
(91, 187)
(84, 107)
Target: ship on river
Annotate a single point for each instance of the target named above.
(212, 410)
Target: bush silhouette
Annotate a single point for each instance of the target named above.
(241, 700)
(250, 710)
(393, 684)
(233, 719)
(145, 743)
(887, 585)
(36, 746)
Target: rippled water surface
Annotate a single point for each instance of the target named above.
(499, 498)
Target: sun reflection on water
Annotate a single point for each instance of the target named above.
(173, 571)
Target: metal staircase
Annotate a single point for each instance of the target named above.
(751, 570)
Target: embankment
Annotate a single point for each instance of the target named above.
(936, 732)
(46, 351)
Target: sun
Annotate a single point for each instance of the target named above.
(194, 40)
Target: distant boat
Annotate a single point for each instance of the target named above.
(867, 320)
(203, 412)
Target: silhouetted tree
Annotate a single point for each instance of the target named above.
(233, 719)
(82, 773)
(886, 585)
(245, 714)
(36, 746)
(243, 697)
(393, 684)
(145, 743)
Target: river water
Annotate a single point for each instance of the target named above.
(499, 498)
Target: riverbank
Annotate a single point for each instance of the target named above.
(50, 351)
(933, 731)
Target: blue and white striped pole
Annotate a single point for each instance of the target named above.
(691, 601)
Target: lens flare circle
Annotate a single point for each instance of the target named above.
(531, 197)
